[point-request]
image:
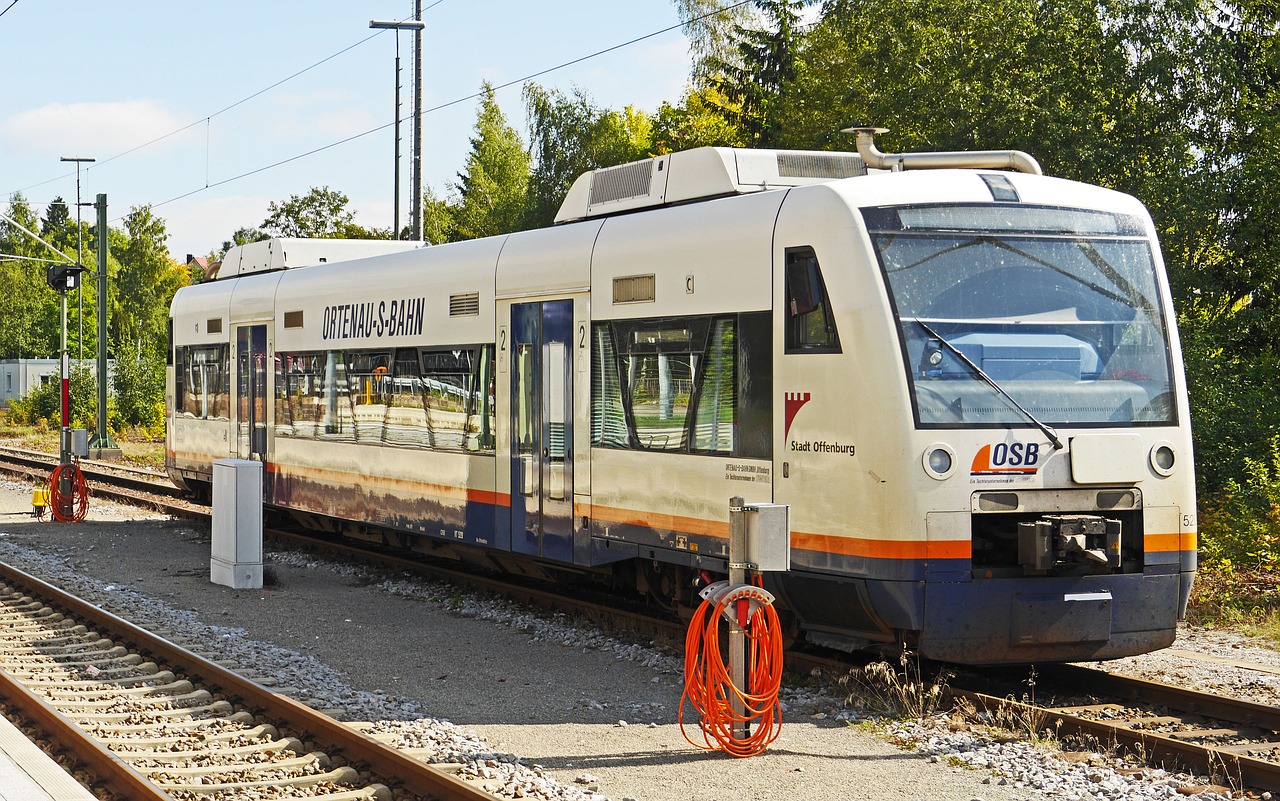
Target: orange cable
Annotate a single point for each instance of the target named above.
(709, 687)
(78, 503)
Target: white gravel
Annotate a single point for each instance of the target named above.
(540, 706)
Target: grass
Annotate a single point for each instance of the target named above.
(1246, 600)
(137, 451)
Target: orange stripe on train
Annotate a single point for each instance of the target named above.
(1163, 543)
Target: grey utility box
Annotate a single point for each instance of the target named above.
(768, 536)
(237, 524)
(75, 441)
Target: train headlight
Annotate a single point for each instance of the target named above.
(939, 461)
(1163, 458)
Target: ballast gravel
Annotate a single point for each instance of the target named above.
(539, 706)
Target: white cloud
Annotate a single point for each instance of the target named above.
(63, 128)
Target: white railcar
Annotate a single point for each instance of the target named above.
(965, 382)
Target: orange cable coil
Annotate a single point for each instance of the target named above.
(77, 503)
(709, 687)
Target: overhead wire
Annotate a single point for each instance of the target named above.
(211, 185)
(208, 117)
(445, 105)
(6, 10)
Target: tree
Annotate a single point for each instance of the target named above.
(695, 122)
(709, 28)
(438, 224)
(56, 228)
(28, 307)
(493, 187)
(757, 70)
(321, 213)
(145, 286)
(570, 135)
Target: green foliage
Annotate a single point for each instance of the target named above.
(759, 69)
(139, 392)
(43, 404)
(145, 286)
(696, 122)
(569, 136)
(28, 307)
(437, 222)
(321, 213)
(1240, 524)
(492, 188)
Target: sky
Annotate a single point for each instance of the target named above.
(165, 95)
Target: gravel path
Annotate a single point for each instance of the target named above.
(536, 705)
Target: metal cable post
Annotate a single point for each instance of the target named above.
(737, 636)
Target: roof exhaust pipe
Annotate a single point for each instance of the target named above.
(976, 160)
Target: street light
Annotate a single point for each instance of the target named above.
(79, 250)
(415, 25)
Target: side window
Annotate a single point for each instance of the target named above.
(660, 361)
(179, 381)
(457, 397)
(811, 327)
(684, 385)
(202, 381)
(608, 416)
(310, 388)
(426, 398)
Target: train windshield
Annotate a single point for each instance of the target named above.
(1059, 308)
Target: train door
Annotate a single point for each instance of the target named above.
(251, 392)
(542, 429)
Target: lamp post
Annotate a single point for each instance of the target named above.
(415, 25)
(79, 251)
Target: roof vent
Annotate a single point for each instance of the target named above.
(622, 182)
(820, 165)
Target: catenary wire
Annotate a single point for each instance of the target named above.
(205, 119)
(442, 106)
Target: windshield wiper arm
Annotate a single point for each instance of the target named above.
(1045, 429)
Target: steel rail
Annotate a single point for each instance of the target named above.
(1247, 771)
(108, 768)
(383, 760)
(1209, 705)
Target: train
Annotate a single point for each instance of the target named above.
(963, 377)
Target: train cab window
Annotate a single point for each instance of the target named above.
(811, 327)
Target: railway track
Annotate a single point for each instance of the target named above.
(1237, 741)
(151, 720)
(106, 480)
(1233, 740)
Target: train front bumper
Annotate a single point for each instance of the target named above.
(1052, 619)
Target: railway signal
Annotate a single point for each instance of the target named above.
(64, 277)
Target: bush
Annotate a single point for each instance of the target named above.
(1240, 524)
(43, 405)
(139, 385)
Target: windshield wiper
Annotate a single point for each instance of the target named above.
(1045, 429)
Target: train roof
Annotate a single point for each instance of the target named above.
(285, 252)
(700, 174)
